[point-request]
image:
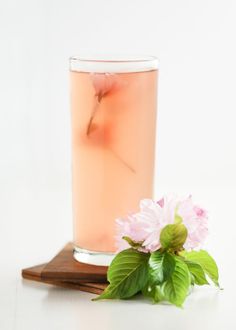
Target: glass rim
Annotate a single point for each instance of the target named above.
(113, 64)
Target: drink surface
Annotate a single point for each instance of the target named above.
(113, 146)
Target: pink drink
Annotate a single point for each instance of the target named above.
(113, 144)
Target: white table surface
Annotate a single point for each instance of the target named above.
(27, 305)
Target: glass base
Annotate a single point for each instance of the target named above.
(93, 257)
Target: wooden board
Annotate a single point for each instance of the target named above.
(66, 272)
(64, 267)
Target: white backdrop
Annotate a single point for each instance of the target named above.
(195, 42)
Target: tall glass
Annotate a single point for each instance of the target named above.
(113, 107)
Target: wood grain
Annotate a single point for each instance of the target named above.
(66, 272)
(34, 274)
(64, 267)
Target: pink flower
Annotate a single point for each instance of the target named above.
(196, 221)
(104, 83)
(146, 225)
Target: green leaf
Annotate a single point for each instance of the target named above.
(153, 292)
(173, 236)
(208, 264)
(132, 243)
(161, 267)
(127, 274)
(197, 273)
(177, 286)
